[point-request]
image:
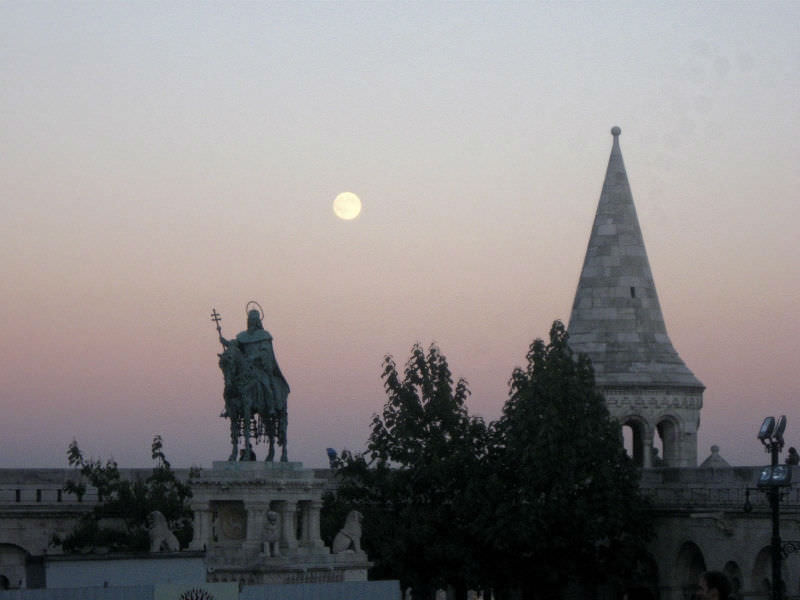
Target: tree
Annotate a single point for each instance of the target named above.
(567, 503)
(414, 482)
(118, 522)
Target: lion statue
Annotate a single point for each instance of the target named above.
(271, 535)
(161, 538)
(349, 537)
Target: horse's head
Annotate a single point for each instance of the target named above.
(226, 358)
(228, 364)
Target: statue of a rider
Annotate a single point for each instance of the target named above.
(259, 381)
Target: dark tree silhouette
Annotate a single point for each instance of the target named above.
(119, 520)
(415, 481)
(567, 506)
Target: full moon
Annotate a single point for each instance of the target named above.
(347, 206)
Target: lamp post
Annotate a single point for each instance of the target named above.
(771, 479)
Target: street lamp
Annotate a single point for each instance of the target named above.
(770, 481)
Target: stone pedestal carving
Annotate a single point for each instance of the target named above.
(232, 503)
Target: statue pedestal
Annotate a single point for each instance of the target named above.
(231, 502)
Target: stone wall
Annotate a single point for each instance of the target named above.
(700, 521)
(701, 524)
(34, 507)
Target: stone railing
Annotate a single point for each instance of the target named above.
(712, 489)
(39, 487)
(31, 488)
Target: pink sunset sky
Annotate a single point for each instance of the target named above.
(158, 160)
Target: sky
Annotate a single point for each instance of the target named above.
(160, 160)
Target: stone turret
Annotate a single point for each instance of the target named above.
(616, 319)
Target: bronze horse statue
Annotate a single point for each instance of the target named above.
(256, 409)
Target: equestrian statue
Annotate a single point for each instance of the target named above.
(255, 390)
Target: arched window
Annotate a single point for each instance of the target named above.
(668, 432)
(689, 566)
(12, 566)
(762, 572)
(734, 573)
(633, 435)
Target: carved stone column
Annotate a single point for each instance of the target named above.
(647, 442)
(289, 525)
(314, 511)
(202, 528)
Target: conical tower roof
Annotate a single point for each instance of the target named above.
(616, 317)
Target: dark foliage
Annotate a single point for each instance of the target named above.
(567, 505)
(544, 500)
(421, 463)
(118, 523)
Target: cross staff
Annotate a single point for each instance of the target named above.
(216, 317)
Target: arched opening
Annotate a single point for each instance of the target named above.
(762, 572)
(689, 566)
(645, 574)
(668, 432)
(734, 574)
(627, 439)
(12, 566)
(633, 436)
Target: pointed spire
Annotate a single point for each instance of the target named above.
(616, 317)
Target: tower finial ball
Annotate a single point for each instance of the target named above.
(615, 131)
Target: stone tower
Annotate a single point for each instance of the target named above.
(616, 319)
